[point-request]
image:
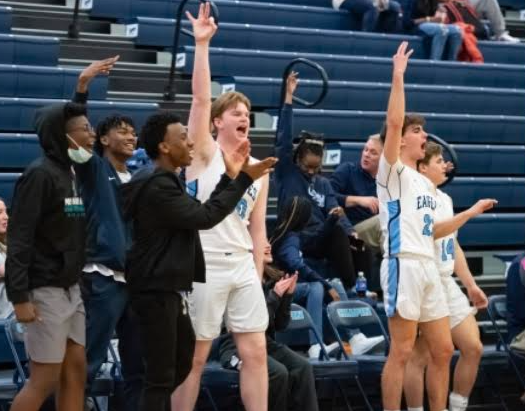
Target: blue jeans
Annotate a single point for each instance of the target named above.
(369, 15)
(311, 295)
(108, 310)
(441, 34)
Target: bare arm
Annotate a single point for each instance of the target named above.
(204, 28)
(447, 227)
(396, 105)
(475, 294)
(257, 227)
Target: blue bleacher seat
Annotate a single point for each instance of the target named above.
(230, 11)
(6, 19)
(18, 113)
(494, 230)
(344, 95)
(159, 32)
(263, 63)
(454, 128)
(18, 150)
(488, 160)
(30, 50)
(511, 4)
(46, 82)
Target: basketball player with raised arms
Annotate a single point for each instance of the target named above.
(465, 332)
(233, 249)
(411, 284)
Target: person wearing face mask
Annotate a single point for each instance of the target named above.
(6, 307)
(45, 258)
(298, 174)
(104, 288)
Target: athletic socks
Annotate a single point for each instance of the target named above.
(457, 402)
(415, 409)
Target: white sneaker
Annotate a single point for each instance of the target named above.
(507, 38)
(314, 351)
(361, 344)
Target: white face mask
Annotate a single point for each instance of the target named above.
(79, 156)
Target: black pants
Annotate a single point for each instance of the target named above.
(333, 244)
(168, 343)
(291, 380)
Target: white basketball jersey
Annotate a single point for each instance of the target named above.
(444, 247)
(406, 210)
(231, 234)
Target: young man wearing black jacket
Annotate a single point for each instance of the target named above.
(108, 238)
(45, 258)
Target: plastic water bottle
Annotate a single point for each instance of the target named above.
(361, 285)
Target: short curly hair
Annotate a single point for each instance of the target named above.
(154, 130)
(109, 123)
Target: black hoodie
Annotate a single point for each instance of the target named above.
(166, 255)
(46, 228)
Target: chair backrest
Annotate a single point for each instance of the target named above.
(301, 321)
(354, 315)
(497, 307)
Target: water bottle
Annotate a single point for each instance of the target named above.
(361, 285)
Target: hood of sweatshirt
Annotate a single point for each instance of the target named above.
(50, 125)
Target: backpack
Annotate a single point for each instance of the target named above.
(459, 11)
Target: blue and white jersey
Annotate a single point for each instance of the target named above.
(231, 235)
(444, 247)
(407, 201)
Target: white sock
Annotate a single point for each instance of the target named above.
(415, 409)
(457, 402)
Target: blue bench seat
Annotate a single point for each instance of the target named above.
(18, 150)
(29, 50)
(6, 19)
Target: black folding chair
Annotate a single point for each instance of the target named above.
(324, 367)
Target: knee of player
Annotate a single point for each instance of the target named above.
(253, 355)
(401, 353)
(442, 352)
(474, 349)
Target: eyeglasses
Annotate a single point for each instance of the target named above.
(87, 128)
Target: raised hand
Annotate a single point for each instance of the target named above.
(401, 58)
(258, 169)
(291, 84)
(235, 160)
(94, 69)
(481, 206)
(204, 26)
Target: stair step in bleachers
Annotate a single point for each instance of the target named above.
(343, 95)
(229, 11)
(474, 160)
(453, 128)
(260, 63)
(6, 19)
(46, 82)
(18, 113)
(159, 33)
(29, 50)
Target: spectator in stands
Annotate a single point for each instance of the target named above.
(427, 18)
(298, 174)
(286, 249)
(291, 377)
(6, 309)
(233, 250)
(45, 258)
(108, 238)
(516, 297)
(450, 259)
(490, 9)
(373, 15)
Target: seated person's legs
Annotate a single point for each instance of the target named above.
(311, 296)
(455, 39)
(364, 8)
(438, 33)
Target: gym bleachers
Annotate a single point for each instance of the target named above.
(263, 63)
(6, 19)
(18, 150)
(28, 50)
(265, 92)
(159, 33)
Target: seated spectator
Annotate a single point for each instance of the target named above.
(286, 249)
(5, 306)
(490, 10)
(426, 18)
(373, 15)
(515, 297)
(298, 174)
(291, 377)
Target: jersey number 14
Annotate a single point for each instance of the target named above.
(447, 249)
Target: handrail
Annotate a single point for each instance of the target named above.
(73, 30)
(314, 65)
(452, 153)
(170, 91)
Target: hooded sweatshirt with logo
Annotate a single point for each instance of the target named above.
(46, 228)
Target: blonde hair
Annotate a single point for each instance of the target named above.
(226, 101)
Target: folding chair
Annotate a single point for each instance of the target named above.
(497, 310)
(102, 387)
(325, 368)
(346, 316)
